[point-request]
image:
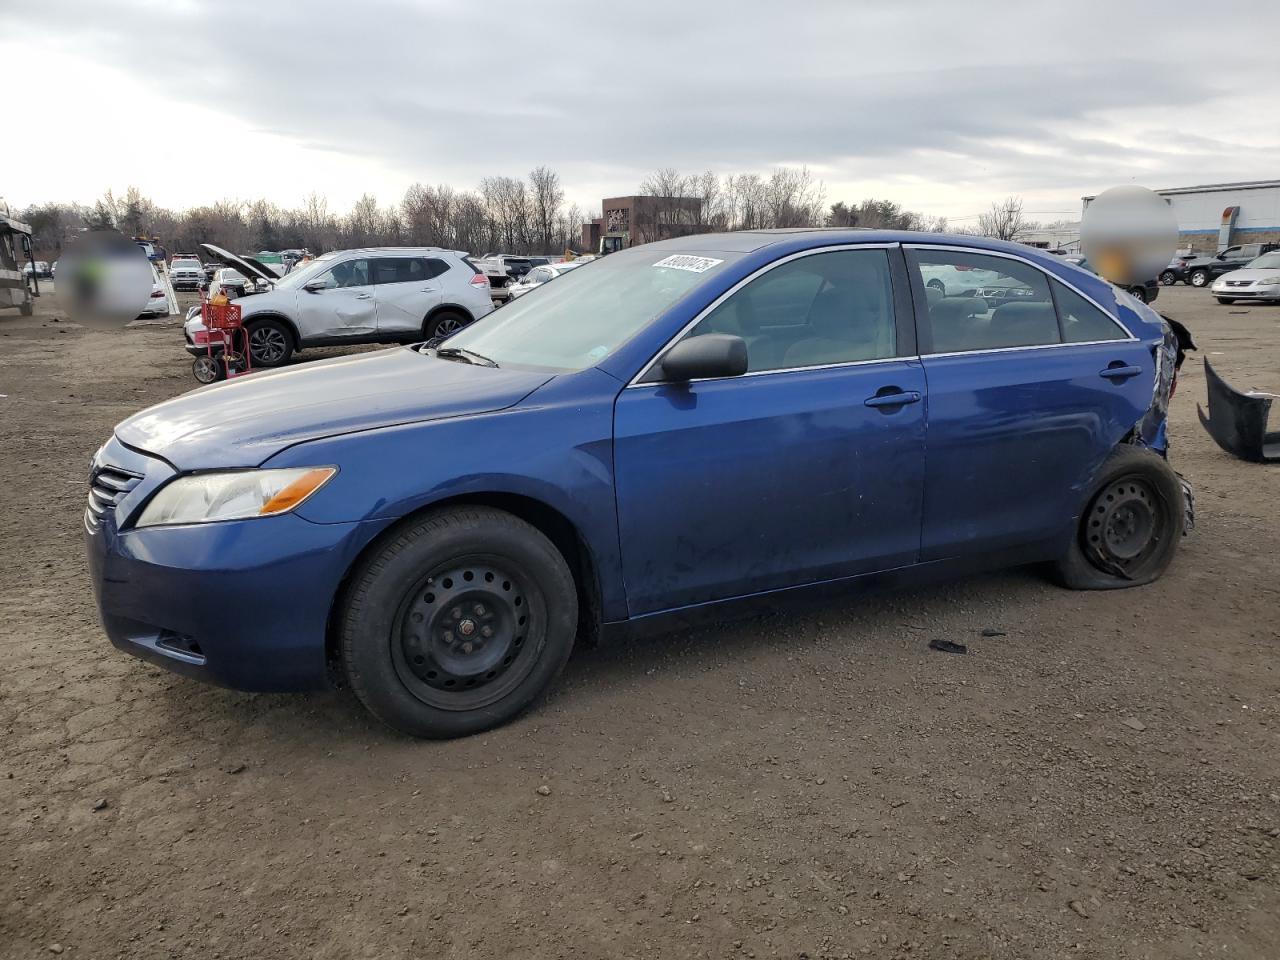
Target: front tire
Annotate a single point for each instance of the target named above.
(270, 343)
(1168, 278)
(458, 623)
(1198, 278)
(1130, 530)
(1227, 300)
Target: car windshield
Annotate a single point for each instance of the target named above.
(302, 273)
(578, 321)
(1268, 261)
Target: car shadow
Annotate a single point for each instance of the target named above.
(866, 620)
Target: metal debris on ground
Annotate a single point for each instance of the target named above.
(946, 646)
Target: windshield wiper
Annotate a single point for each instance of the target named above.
(470, 356)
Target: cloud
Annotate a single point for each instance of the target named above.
(952, 103)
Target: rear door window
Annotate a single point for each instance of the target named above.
(1081, 321)
(407, 269)
(980, 302)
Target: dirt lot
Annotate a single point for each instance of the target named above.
(1102, 781)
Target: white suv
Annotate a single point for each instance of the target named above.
(373, 295)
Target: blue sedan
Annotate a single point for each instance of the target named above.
(687, 428)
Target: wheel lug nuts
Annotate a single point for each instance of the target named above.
(456, 613)
(486, 632)
(467, 648)
(448, 636)
(479, 609)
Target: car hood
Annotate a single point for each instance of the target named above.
(246, 265)
(247, 420)
(1252, 273)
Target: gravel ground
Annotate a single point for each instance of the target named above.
(1101, 780)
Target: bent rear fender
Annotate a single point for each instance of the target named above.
(1152, 429)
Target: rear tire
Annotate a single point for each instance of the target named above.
(458, 623)
(1168, 278)
(270, 343)
(443, 324)
(1129, 532)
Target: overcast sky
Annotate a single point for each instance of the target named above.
(941, 106)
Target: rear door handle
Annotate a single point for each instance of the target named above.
(1120, 371)
(898, 398)
(364, 296)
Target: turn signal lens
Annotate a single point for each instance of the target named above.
(297, 491)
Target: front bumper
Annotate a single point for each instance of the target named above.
(1255, 291)
(243, 604)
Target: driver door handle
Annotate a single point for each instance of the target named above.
(898, 399)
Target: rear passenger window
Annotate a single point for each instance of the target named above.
(825, 308)
(407, 269)
(978, 302)
(1082, 322)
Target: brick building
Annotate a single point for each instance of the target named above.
(631, 221)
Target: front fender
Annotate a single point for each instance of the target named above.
(556, 448)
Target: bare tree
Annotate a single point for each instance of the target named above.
(1004, 221)
(546, 199)
(316, 224)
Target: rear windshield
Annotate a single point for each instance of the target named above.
(590, 311)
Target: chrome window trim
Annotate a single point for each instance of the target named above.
(635, 381)
(1029, 346)
(1128, 334)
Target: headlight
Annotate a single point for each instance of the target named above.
(237, 495)
(1270, 280)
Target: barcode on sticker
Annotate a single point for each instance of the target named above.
(682, 261)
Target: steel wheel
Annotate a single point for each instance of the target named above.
(459, 640)
(1127, 525)
(268, 345)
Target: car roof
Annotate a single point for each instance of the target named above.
(747, 241)
(399, 251)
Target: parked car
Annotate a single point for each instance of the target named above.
(688, 426)
(1204, 270)
(1144, 292)
(1258, 280)
(374, 295)
(1176, 271)
(158, 301)
(230, 283)
(540, 275)
(186, 272)
(40, 269)
(502, 270)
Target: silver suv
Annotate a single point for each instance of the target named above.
(373, 295)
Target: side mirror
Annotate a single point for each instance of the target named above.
(26, 243)
(315, 286)
(705, 357)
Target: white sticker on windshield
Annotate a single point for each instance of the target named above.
(682, 261)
